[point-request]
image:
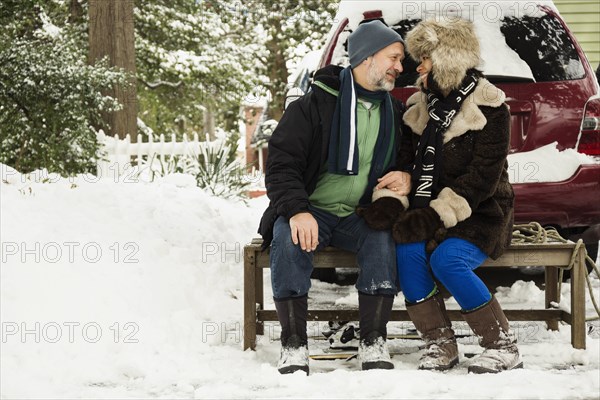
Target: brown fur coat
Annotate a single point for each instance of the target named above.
(476, 199)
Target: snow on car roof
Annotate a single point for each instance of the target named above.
(498, 58)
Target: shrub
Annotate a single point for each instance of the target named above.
(50, 102)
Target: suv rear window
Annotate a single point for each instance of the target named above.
(545, 46)
(540, 41)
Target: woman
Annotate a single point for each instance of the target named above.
(460, 210)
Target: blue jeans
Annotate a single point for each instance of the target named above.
(291, 266)
(452, 263)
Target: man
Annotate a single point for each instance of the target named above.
(329, 154)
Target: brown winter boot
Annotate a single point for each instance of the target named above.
(432, 322)
(501, 352)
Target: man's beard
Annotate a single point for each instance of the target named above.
(378, 79)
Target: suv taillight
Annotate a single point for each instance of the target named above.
(589, 141)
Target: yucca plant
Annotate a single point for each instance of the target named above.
(215, 168)
(219, 172)
(173, 164)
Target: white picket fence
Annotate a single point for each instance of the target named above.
(123, 154)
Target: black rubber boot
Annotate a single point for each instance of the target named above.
(375, 311)
(292, 314)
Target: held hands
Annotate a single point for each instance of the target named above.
(421, 224)
(305, 231)
(381, 214)
(398, 181)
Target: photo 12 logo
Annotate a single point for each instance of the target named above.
(490, 11)
(213, 251)
(68, 331)
(71, 252)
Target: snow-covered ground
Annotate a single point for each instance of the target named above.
(134, 290)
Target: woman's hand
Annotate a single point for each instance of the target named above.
(381, 214)
(398, 181)
(417, 225)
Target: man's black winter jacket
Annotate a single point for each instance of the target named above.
(298, 152)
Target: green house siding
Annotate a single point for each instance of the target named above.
(583, 18)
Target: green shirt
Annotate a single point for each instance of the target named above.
(340, 194)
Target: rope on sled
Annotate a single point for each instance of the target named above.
(533, 232)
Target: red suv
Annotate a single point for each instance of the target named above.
(551, 89)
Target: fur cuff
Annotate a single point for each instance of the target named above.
(377, 194)
(451, 207)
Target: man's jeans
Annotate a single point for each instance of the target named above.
(291, 266)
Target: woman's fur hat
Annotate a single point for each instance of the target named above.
(452, 46)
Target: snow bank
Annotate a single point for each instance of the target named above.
(134, 290)
(115, 281)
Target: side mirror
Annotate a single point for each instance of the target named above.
(292, 95)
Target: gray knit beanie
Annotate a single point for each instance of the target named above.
(368, 39)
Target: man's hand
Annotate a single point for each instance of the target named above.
(398, 181)
(305, 230)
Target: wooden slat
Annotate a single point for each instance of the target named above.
(402, 315)
(553, 254)
(560, 3)
(551, 292)
(259, 298)
(568, 319)
(249, 299)
(588, 37)
(578, 27)
(583, 17)
(529, 255)
(570, 11)
(578, 302)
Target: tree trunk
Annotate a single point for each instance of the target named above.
(111, 33)
(278, 72)
(75, 12)
(209, 122)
